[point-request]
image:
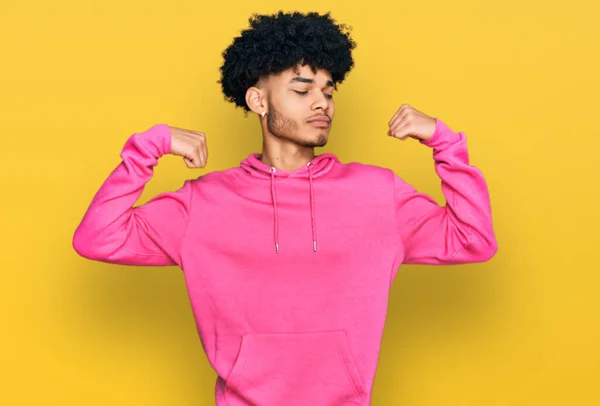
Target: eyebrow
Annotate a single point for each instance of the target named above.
(307, 80)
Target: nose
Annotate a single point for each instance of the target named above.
(320, 102)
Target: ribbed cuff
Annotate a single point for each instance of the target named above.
(442, 136)
(162, 138)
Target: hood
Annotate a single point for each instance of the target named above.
(318, 166)
(315, 168)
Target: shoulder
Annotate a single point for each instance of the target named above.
(373, 176)
(369, 172)
(217, 177)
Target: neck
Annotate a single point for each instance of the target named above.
(284, 155)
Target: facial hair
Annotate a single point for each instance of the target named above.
(285, 128)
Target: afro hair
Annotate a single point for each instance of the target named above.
(275, 43)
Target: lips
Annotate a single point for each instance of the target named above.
(322, 121)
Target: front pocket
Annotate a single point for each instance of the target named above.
(295, 369)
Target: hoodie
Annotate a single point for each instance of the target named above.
(288, 272)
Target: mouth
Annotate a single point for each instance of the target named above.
(320, 122)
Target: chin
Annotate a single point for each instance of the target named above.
(318, 141)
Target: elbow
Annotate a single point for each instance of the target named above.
(489, 251)
(477, 246)
(84, 245)
(80, 244)
(485, 249)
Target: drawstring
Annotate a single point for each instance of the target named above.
(312, 207)
(275, 211)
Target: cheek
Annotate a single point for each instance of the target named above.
(291, 112)
(288, 105)
(294, 110)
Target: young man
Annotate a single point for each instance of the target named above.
(288, 258)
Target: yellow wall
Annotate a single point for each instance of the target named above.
(519, 78)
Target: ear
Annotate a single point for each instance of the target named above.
(256, 100)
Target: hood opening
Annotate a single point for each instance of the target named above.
(318, 166)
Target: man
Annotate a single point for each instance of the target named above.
(288, 258)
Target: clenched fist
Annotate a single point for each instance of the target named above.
(191, 145)
(410, 122)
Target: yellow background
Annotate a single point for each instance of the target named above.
(519, 78)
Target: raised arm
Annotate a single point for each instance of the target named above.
(114, 231)
(461, 231)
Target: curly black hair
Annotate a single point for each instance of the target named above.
(281, 41)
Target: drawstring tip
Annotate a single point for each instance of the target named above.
(277, 248)
(314, 246)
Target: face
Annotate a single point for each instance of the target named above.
(300, 106)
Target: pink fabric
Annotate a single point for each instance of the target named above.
(288, 273)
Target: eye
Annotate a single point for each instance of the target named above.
(299, 92)
(329, 96)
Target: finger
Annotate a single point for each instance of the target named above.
(193, 160)
(205, 148)
(202, 150)
(402, 132)
(205, 154)
(201, 154)
(403, 119)
(393, 117)
(404, 113)
(189, 162)
(398, 120)
(401, 112)
(201, 159)
(405, 107)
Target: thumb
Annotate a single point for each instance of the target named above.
(192, 162)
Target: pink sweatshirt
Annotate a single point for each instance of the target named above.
(288, 273)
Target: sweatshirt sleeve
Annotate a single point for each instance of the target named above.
(459, 232)
(114, 231)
